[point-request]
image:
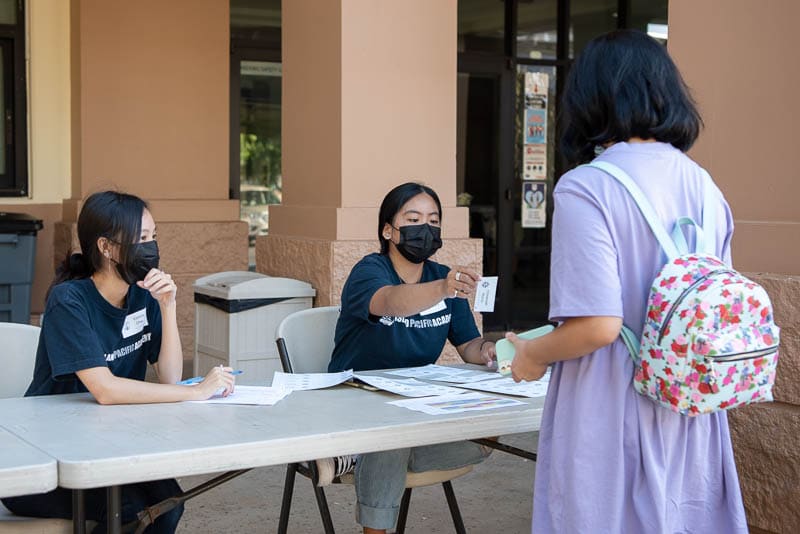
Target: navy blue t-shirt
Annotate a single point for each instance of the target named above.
(364, 341)
(81, 330)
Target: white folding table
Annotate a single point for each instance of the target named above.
(108, 446)
(24, 469)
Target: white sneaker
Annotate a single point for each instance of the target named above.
(330, 468)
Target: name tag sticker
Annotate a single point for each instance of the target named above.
(134, 323)
(484, 294)
(435, 308)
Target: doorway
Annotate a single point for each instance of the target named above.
(513, 58)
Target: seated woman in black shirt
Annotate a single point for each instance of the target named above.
(398, 309)
(110, 312)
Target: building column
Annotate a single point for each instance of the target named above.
(748, 146)
(150, 116)
(369, 102)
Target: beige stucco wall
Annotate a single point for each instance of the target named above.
(367, 105)
(153, 97)
(738, 58)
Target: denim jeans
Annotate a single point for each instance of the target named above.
(135, 497)
(380, 477)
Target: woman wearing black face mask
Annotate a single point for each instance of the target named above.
(110, 312)
(398, 310)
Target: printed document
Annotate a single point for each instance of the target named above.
(466, 402)
(507, 386)
(408, 387)
(255, 395)
(306, 381)
(444, 373)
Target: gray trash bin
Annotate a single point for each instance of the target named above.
(17, 255)
(236, 315)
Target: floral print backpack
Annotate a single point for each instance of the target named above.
(709, 342)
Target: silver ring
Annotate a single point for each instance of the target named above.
(458, 276)
(455, 293)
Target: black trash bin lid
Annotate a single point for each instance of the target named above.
(19, 223)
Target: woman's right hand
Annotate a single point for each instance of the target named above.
(217, 378)
(460, 282)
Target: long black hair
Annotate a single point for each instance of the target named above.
(394, 200)
(624, 85)
(110, 214)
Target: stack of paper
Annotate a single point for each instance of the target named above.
(306, 381)
(407, 388)
(507, 386)
(255, 395)
(466, 402)
(444, 373)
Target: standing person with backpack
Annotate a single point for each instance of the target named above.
(610, 459)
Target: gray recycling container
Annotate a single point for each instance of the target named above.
(17, 254)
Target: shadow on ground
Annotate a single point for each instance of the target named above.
(495, 497)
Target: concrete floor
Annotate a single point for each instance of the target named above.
(495, 497)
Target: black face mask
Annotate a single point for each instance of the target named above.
(141, 258)
(418, 242)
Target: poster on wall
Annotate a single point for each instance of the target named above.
(534, 204)
(535, 126)
(536, 86)
(534, 162)
(534, 153)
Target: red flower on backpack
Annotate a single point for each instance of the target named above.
(679, 349)
(669, 283)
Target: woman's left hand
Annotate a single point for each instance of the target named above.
(160, 285)
(524, 366)
(489, 354)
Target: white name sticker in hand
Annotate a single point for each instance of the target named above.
(484, 294)
(134, 323)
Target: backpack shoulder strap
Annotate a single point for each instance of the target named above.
(644, 206)
(709, 216)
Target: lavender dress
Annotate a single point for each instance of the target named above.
(611, 460)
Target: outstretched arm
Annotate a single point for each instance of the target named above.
(410, 299)
(575, 338)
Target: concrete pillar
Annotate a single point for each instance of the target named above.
(150, 114)
(736, 56)
(369, 102)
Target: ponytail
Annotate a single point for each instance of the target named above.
(73, 267)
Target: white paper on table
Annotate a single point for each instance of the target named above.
(255, 395)
(507, 386)
(306, 381)
(407, 388)
(466, 402)
(445, 373)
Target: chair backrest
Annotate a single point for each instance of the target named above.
(18, 343)
(305, 339)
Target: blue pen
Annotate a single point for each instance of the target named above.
(198, 379)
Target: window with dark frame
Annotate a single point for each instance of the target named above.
(13, 101)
